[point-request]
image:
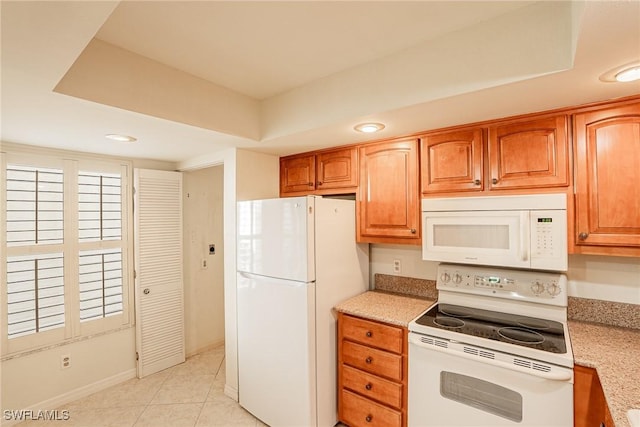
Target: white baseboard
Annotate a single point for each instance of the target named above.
(231, 392)
(78, 393)
(205, 348)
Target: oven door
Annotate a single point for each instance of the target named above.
(473, 386)
(477, 237)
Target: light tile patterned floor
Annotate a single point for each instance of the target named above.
(188, 395)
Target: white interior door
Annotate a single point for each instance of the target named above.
(158, 259)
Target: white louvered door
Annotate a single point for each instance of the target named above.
(159, 284)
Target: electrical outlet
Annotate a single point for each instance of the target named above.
(397, 266)
(65, 361)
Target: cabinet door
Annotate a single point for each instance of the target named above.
(298, 174)
(452, 161)
(589, 405)
(607, 177)
(529, 154)
(388, 197)
(337, 169)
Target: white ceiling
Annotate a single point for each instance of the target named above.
(191, 78)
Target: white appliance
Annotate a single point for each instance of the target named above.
(510, 231)
(297, 258)
(493, 351)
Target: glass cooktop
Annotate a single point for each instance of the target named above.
(541, 334)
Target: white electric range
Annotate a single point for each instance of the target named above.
(493, 351)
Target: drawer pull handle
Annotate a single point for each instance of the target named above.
(368, 360)
(369, 418)
(369, 334)
(368, 386)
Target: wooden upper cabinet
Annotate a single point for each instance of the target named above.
(452, 161)
(298, 174)
(322, 172)
(607, 151)
(529, 154)
(520, 154)
(337, 169)
(388, 209)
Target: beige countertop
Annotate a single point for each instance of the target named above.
(614, 352)
(385, 307)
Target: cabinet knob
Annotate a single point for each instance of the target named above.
(368, 360)
(413, 231)
(368, 386)
(494, 181)
(369, 418)
(320, 183)
(146, 291)
(583, 236)
(369, 334)
(476, 182)
(311, 184)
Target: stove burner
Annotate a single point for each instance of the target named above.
(448, 322)
(532, 323)
(455, 311)
(521, 335)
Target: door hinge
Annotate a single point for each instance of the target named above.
(137, 356)
(135, 275)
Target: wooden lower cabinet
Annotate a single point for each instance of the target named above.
(372, 373)
(590, 407)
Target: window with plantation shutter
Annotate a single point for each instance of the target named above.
(66, 252)
(34, 217)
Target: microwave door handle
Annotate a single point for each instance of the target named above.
(524, 235)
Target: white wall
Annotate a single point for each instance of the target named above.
(596, 277)
(36, 381)
(203, 285)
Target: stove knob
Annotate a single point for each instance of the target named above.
(537, 288)
(457, 278)
(554, 289)
(445, 277)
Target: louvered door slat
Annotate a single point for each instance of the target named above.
(159, 286)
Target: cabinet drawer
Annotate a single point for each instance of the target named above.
(371, 386)
(374, 361)
(373, 334)
(358, 411)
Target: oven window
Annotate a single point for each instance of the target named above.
(483, 395)
(486, 236)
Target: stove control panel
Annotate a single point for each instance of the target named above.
(506, 283)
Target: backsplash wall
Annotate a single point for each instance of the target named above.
(594, 277)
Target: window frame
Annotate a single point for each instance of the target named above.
(71, 247)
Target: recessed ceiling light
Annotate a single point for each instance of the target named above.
(628, 75)
(369, 127)
(624, 73)
(120, 138)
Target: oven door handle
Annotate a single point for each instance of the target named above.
(562, 375)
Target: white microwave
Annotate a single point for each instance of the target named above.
(528, 232)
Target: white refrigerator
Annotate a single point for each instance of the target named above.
(297, 258)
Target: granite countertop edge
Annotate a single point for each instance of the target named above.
(592, 345)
